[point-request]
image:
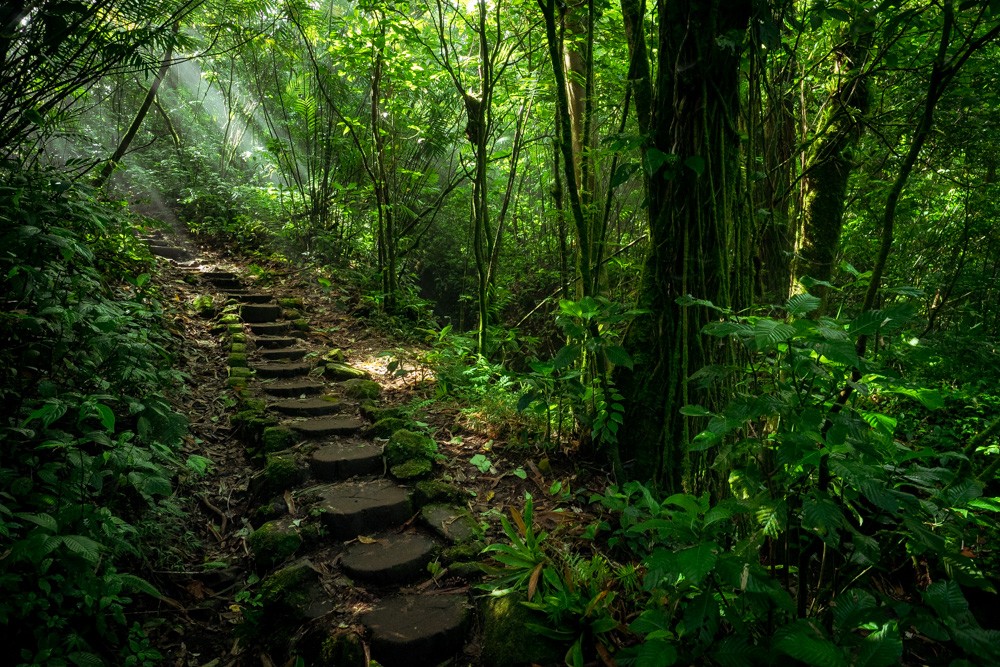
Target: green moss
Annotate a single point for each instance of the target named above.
(336, 354)
(291, 302)
(300, 325)
(238, 348)
(405, 445)
(291, 313)
(234, 328)
(361, 389)
(286, 593)
(462, 552)
(279, 473)
(239, 337)
(230, 318)
(337, 372)
(506, 640)
(237, 372)
(249, 425)
(277, 438)
(343, 648)
(237, 360)
(384, 428)
(436, 491)
(256, 404)
(273, 543)
(237, 383)
(412, 469)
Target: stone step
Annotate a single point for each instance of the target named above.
(390, 559)
(286, 353)
(246, 297)
(226, 283)
(258, 313)
(170, 252)
(344, 459)
(310, 407)
(270, 328)
(275, 341)
(219, 275)
(292, 388)
(417, 629)
(321, 427)
(349, 509)
(282, 370)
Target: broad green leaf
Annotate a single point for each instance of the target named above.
(695, 411)
(45, 521)
(768, 333)
(83, 546)
(618, 356)
(881, 648)
(805, 641)
(802, 304)
(696, 562)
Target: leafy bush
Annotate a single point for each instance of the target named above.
(88, 437)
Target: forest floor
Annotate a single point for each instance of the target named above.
(205, 568)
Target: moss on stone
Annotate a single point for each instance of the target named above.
(405, 445)
(238, 372)
(465, 551)
(250, 425)
(412, 469)
(273, 543)
(238, 348)
(256, 404)
(239, 337)
(230, 318)
(506, 639)
(361, 389)
(291, 302)
(300, 325)
(234, 328)
(237, 360)
(338, 372)
(437, 491)
(277, 438)
(291, 313)
(237, 383)
(280, 472)
(343, 648)
(384, 428)
(336, 354)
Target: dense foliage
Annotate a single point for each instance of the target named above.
(742, 255)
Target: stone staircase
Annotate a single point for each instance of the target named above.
(342, 547)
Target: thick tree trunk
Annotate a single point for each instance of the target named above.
(698, 240)
(829, 165)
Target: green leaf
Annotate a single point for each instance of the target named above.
(623, 173)
(881, 648)
(45, 521)
(802, 304)
(695, 163)
(84, 659)
(696, 562)
(83, 546)
(768, 333)
(695, 411)
(805, 641)
(138, 584)
(107, 417)
(838, 14)
(617, 355)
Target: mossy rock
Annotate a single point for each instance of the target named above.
(339, 372)
(437, 491)
(291, 302)
(412, 469)
(405, 445)
(277, 438)
(507, 641)
(373, 412)
(249, 425)
(237, 383)
(273, 543)
(300, 325)
(238, 348)
(335, 355)
(343, 648)
(234, 328)
(237, 360)
(361, 389)
(465, 551)
(230, 318)
(281, 472)
(256, 404)
(288, 598)
(291, 313)
(239, 338)
(237, 372)
(384, 428)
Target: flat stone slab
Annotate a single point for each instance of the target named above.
(344, 459)
(319, 427)
(287, 353)
(350, 509)
(452, 523)
(271, 342)
(309, 407)
(270, 328)
(170, 252)
(292, 388)
(219, 275)
(390, 559)
(279, 370)
(417, 629)
(247, 297)
(260, 312)
(226, 283)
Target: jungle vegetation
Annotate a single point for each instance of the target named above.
(742, 255)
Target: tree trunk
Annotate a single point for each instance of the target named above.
(698, 241)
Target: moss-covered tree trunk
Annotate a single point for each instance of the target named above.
(829, 163)
(699, 241)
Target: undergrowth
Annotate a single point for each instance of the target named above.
(90, 439)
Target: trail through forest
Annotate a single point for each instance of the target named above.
(316, 531)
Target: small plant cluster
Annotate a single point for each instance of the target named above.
(820, 535)
(89, 440)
